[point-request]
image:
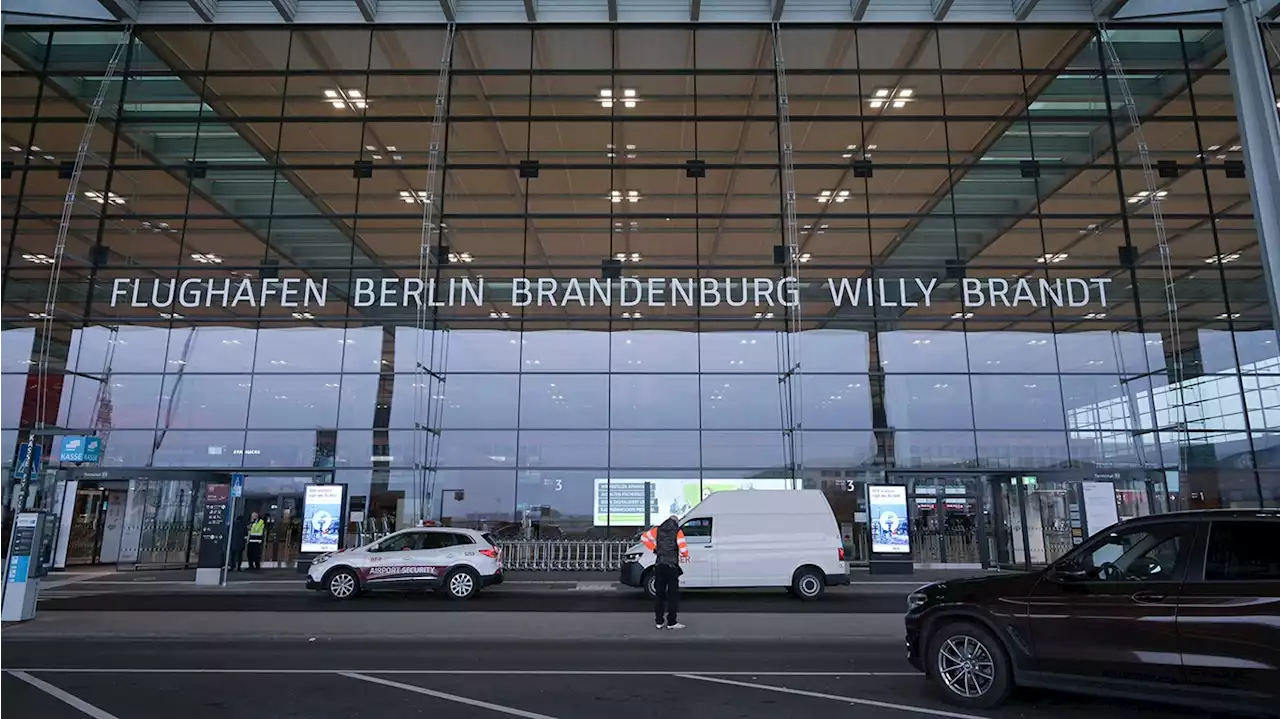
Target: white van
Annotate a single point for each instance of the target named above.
(754, 538)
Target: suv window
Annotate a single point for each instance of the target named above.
(438, 540)
(401, 542)
(1152, 553)
(1241, 551)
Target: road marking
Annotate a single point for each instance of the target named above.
(835, 697)
(512, 711)
(461, 672)
(65, 697)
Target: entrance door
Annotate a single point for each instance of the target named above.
(87, 523)
(277, 499)
(947, 522)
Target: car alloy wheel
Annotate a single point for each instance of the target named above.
(342, 585)
(965, 666)
(651, 585)
(461, 585)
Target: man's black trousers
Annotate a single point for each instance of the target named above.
(666, 597)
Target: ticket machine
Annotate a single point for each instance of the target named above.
(26, 566)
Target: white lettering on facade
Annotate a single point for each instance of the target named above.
(706, 292)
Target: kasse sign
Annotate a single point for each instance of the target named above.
(624, 292)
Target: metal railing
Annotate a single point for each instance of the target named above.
(563, 555)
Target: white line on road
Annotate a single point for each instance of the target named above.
(511, 711)
(65, 697)
(835, 697)
(458, 672)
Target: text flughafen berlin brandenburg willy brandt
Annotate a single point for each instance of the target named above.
(624, 292)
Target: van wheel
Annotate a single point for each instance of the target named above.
(969, 666)
(808, 583)
(342, 584)
(649, 581)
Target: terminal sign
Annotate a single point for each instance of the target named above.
(622, 292)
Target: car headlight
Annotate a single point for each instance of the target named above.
(632, 557)
(320, 560)
(915, 600)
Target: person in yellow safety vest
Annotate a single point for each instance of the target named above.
(669, 548)
(257, 535)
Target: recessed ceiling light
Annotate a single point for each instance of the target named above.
(172, 316)
(1146, 196)
(102, 199)
(631, 315)
(1222, 259)
(1052, 258)
(499, 315)
(206, 258)
(39, 259)
(764, 315)
(1231, 316)
(463, 257)
(1096, 316)
(896, 97)
(39, 315)
(804, 257)
(341, 98)
(412, 196)
(616, 196)
(303, 316)
(830, 195)
(962, 316)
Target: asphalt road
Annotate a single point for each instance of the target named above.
(488, 601)
(542, 680)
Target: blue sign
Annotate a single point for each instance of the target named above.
(78, 448)
(237, 485)
(28, 461)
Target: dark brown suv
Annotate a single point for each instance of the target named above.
(1181, 608)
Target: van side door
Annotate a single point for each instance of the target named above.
(700, 570)
(1229, 615)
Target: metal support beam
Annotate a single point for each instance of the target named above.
(1023, 8)
(531, 10)
(695, 10)
(121, 9)
(613, 10)
(368, 9)
(1259, 133)
(776, 10)
(450, 9)
(940, 8)
(206, 9)
(859, 8)
(1107, 8)
(288, 9)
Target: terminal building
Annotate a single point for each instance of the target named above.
(558, 269)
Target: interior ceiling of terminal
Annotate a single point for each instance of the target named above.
(724, 225)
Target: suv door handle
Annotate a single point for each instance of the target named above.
(1148, 597)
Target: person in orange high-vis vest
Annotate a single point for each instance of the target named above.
(669, 548)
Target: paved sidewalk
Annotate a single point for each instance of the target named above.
(515, 626)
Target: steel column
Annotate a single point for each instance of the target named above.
(1259, 123)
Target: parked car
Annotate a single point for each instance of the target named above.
(1181, 608)
(458, 561)
(754, 538)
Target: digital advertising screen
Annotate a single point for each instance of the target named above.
(887, 515)
(322, 517)
(621, 502)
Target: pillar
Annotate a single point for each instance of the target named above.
(1259, 122)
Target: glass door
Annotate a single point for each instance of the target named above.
(85, 537)
(947, 522)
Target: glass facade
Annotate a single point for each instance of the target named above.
(980, 187)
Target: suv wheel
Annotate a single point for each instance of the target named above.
(969, 666)
(462, 584)
(343, 584)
